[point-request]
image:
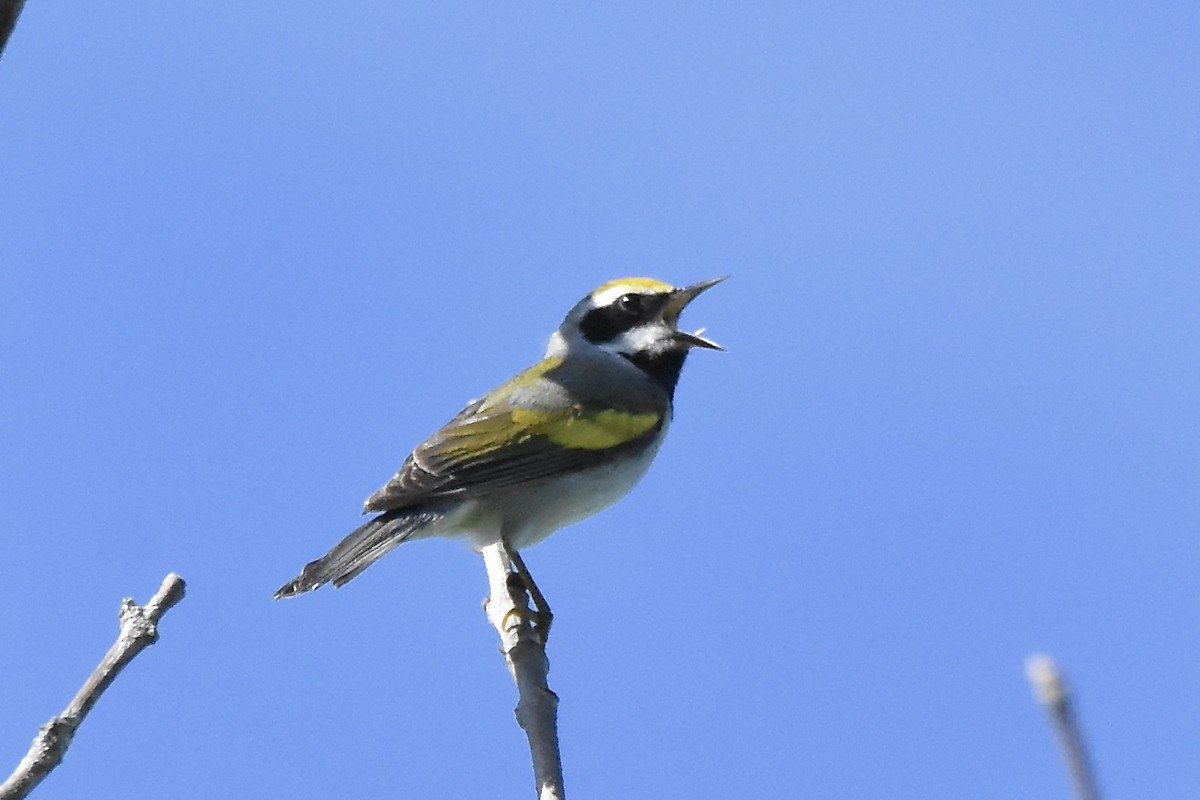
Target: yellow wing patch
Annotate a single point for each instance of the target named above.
(581, 430)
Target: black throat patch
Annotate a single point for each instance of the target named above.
(663, 367)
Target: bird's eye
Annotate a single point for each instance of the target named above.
(631, 304)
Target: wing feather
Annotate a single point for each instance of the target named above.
(495, 444)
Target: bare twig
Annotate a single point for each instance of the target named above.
(1054, 695)
(524, 649)
(9, 11)
(138, 631)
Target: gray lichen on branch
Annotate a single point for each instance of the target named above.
(139, 630)
(524, 648)
(1054, 695)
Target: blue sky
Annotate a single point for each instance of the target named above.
(253, 253)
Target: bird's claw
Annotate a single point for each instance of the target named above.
(539, 617)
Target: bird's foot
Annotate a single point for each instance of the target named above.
(540, 617)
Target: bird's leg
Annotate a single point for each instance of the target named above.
(542, 614)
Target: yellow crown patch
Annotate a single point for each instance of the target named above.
(648, 284)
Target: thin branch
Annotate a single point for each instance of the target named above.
(524, 649)
(1052, 692)
(9, 11)
(138, 631)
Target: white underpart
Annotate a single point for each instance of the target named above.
(571, 498)
(527, 514)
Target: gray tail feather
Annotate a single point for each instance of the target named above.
(365, 545)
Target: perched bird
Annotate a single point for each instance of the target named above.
(553, 445)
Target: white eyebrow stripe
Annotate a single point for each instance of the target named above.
(608, 294)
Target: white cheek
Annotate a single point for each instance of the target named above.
(639, 340)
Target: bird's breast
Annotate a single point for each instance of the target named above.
(528, 514)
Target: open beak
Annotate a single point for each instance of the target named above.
(675, 305)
